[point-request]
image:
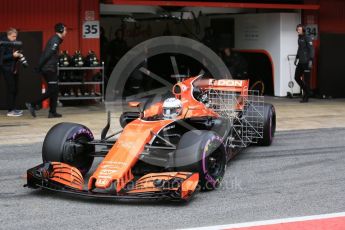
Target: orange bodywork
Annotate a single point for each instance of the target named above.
(191, 107)
(230, 85)
(189, 185)
(155, 109)
(134, 104)
(67, 175)
(117, 165)
(146, 183)
(116, 168)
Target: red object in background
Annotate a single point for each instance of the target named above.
(42, 15)
(312, 17)
(214, 4)
(313, 82)
(332, 16)
(335, 223)
(330, 19)
(45, 103)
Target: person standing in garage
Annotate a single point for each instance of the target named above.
(9, 69)
(48, 68)
(304, 62)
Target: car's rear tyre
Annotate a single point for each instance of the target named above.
(65, 142)
(202, 152)
(269, 127)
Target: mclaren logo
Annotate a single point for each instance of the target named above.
(226, 82)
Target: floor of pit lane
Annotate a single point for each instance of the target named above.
(302, 173)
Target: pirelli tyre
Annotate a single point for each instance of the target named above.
(66, 143)
(269, 128)
(203, 152)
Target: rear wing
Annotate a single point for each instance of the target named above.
(233, 94)
(230, 85)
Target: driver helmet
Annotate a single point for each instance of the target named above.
(172, 107)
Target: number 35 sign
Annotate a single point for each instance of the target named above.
(91, 29)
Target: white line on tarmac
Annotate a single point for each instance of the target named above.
(269, 222)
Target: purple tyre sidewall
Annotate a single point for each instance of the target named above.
(212, 181)
(75, 134)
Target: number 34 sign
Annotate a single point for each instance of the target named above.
(91, 29)
(312, 30)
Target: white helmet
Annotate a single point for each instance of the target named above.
(172, 107)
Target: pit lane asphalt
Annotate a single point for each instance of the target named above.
(302, 173)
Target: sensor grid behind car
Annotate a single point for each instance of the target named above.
(245, 112)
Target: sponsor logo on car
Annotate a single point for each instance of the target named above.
(226, 82)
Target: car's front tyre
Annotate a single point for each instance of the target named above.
(203, 152)
(67, 143)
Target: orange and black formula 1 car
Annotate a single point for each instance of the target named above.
(167, 151)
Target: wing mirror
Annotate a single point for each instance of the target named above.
(137, 104)
(134, 104)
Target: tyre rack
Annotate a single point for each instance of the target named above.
(98, 95)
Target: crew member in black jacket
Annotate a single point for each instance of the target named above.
(48, 68)
(304, 58)
(9, 69)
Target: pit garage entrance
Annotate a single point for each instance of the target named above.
(262, 35)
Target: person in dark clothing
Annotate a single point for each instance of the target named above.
(237, 65)
(9, 69)
(48, 68)
(117, 48)
(304, 62)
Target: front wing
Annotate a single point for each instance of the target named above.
(61, 177)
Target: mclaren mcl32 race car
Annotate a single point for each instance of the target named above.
(167, 151)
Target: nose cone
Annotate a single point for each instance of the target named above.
(103, 183)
